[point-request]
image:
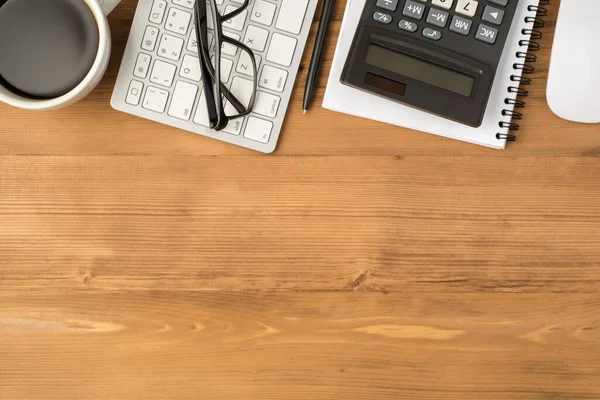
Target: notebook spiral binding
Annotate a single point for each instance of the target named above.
(530, 45)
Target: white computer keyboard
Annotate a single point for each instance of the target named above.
(160, 79)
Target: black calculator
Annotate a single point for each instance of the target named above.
(440, 56)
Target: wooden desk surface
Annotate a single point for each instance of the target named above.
(360, 261)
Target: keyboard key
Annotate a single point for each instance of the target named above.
(201, 116)
(157, 12)
(242, 89)
(244, 65)
(492, 15)
(282, 48)
(190, 68)
(273, 78)
(467, 7)
(226, 67)
(192, 44)
(432, 34)
(266, 104)
(502, 3)
(170, 47)
(486, 34)
(183, 100)
(142, 65)
(236, 23)
(150, 38)
(460, 25)
(382, 17)
(263, 13)
(185, 3)
(178, 21)
(414, 10)
(407, 26)
(258, 129)
(437, 18)
(389, 5)
(134, 93)
(163, 73)
(256, 38)
(228, 48)
(291, 15)
(445, 4)
(234, 127)
(155, 99)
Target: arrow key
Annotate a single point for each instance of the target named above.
(493, 15)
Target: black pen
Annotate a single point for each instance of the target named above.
(317, 56)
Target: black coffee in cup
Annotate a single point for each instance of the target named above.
(47, 47)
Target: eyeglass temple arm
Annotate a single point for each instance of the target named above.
(200, 21)
(236, 12)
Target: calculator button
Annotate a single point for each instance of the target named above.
(407, 26)
(382, 17)
(413, 9)
(432, 34)
(389, 5)
(155, 99)
(502, 3)
(178, 21)
(150, 38)
(467, 7)
(493, 15)
(142, 65)
(163, 73)
(437, 18)
(460, 25)
(446, 4)
(158, 11)
(486, 34)
(134, 93)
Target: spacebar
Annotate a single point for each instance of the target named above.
(291, 15)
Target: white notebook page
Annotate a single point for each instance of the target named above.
(348, 100)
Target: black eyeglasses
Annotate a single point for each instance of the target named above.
(207, 19)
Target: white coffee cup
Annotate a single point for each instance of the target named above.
(100, 9)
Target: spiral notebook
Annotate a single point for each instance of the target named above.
(503, 109)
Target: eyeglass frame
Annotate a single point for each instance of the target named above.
(214, 92)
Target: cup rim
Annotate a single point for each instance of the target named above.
(97, 68)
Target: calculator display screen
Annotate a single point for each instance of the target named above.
(420, 70)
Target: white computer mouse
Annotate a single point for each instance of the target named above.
(573, 91)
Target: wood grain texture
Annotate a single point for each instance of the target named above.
(165, 345)
(306, 223)
(360, 261)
